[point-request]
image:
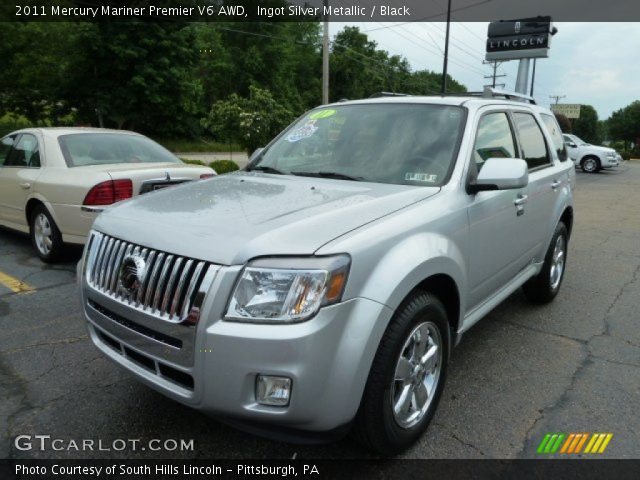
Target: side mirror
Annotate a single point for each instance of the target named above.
(256, 153)
(572, 145)
(501, 174)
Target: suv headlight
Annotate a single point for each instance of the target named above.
(286, 289)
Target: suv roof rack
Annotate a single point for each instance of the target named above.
(388, 94)
(495, 92)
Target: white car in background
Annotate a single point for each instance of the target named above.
(55, 181)
(591, 158)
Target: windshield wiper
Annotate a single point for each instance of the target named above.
(266, 169)
(336, 175)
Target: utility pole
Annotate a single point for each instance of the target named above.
(495, 65)
(446, 50)
(557, 97)
(325, 57)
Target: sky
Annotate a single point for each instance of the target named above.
(589, 63)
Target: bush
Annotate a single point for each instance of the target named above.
(193, 162)
(224, 166)
(625, 154)
(252, 121)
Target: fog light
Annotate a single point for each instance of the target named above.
(274, 391)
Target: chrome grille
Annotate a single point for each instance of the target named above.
(168, 284)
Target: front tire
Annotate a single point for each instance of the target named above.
(406, 378)
(590, 165)
(545, 286)
(45, 235)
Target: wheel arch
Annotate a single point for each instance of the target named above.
(567, 219)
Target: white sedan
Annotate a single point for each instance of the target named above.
(55, 181)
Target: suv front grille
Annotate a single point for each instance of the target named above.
(164, 285)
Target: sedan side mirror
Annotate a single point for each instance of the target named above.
(572, 145)
(501, 174)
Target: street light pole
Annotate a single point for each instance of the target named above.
(446, 50)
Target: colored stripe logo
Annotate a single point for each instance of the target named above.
(573, 443)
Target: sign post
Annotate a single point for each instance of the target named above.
(522, 39)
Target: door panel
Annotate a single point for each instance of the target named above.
(500, 243)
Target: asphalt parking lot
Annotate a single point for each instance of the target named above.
(522, 372)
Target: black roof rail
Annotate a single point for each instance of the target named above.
(388, 94)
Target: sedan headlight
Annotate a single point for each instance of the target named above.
(287, 290)
(611, 154)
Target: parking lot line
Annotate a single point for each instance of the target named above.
(15, 285)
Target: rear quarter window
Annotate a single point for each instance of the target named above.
(556, 136)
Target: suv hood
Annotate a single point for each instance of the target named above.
(233, 218)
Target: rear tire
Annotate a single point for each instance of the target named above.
(545, 286)
(45, 235)
(407, 377)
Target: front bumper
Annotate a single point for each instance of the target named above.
(328, 357)
(611, 162)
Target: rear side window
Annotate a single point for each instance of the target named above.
(25, 152)
(494, 139)
(534, 148)
(556, 135)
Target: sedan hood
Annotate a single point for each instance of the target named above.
(233, 218)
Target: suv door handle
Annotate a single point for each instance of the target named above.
(521, 200)
(26, 185)
(556, 184)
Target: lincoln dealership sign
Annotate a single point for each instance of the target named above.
(525, 38)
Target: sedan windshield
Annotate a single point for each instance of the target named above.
(408, 144)
(81, 149)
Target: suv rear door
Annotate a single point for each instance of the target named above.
(546, 177)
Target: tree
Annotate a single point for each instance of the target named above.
(135, 75)
(359, 69)
(586, 127)
(624, 124)
(252, 121)
(564, 122)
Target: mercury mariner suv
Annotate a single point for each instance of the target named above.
(323, 288)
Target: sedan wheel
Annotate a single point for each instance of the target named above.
(42, 234)
(45, 235)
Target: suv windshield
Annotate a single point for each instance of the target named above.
(80, 149)
(408, 144)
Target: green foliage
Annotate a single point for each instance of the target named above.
(224, 166)
(9, 123)
(586, 127)
(359, 69)
(624, 124)
(193, 162)
(252, 121)
(564, 122)
(242, 82)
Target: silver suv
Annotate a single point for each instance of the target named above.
(324, 287)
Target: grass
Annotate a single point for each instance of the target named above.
(196, 145)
